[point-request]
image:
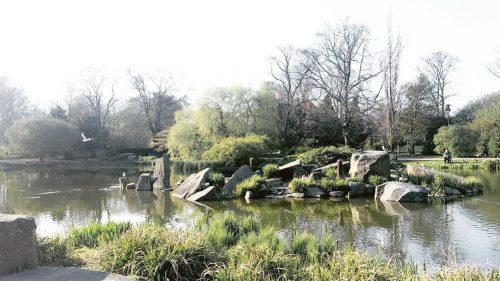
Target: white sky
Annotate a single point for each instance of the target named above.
(45, 45)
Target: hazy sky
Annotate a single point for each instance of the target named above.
(44, 45)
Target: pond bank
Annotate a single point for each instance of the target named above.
(226, 247)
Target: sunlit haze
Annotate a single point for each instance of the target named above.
(46, 44)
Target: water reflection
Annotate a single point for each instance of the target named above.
(465, 230)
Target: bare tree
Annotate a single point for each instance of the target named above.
(342, 69)
(14, 105)
(495, 68)
(438, 67)
(100, 97)
(392, 93)
(156, 96)
(290, 75)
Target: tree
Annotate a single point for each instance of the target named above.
(460, 140)
(438, 67)
(14, 105)
(129, 128)
(392, 93)
(495, 68)
(415, 118)
(42, 136)
(341, 70)
(98, 96)
(290, 75)
(185, 141)
(156, 96)
(58, 112)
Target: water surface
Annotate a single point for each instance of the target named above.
(466, 230)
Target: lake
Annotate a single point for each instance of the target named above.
(463, 231)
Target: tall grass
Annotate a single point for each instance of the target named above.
(95, 234)
(153, 253)
(228, 247)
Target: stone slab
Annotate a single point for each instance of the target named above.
(48, 273)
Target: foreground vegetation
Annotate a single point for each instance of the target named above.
(227, 247)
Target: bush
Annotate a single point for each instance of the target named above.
(301, 185)
(42, 136)
(460, 140)
(325, 155)
(237, 151)
(270, 170)
(252, 183)
(330, 173)
(152, 252)
(95, 234)
(217, 180)
(376, 180)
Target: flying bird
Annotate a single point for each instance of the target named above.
(85, 139)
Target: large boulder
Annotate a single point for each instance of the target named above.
(370, 162)
(204, 195)
(18, 247)
(241, 174)
(145, 182)
(315, 192)
(192, 184)
(401, 192)
(162, 172)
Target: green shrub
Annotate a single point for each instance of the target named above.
(95, 234)
(325, 155)
(270, 170)
(237, 151)
(56, 251)
(356, 179)
(376, 180)
(217, 180)
(152, 252)
(330, 173)
(252, 183)
(301, 185)
(460, 140)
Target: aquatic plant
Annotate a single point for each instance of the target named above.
(226, 229)
(95, 234)
(253, 183)
(270, 170)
